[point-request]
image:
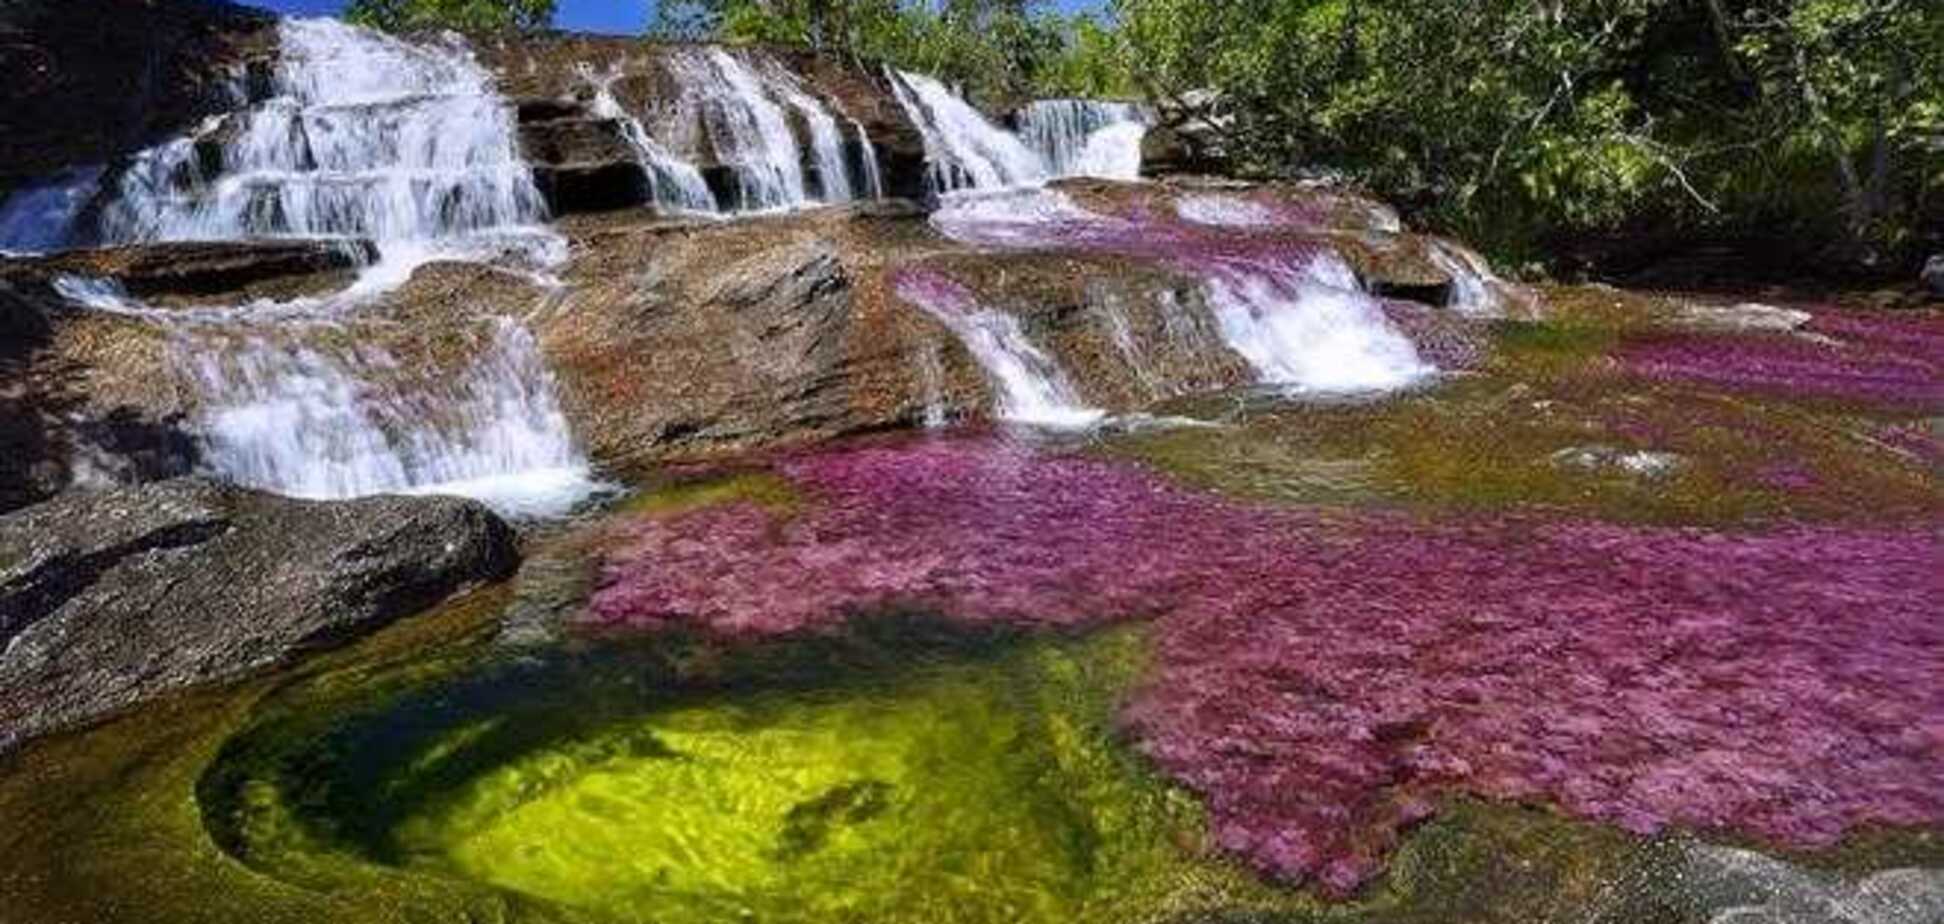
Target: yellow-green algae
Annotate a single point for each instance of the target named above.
(1491, 439)
(903, 772)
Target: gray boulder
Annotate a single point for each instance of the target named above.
(111, 598)
(1934, 275)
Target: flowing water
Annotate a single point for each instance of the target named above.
(1077, 137)
(408, 145)
(1296, 315)
(1032, 388)
(674, 183)
(366, 136)
(964, 148)
(1352, 661)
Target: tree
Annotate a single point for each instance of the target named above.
(1519, 123)
(462, 15)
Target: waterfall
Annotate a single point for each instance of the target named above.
(368, 136)
(40, 217)
(296, 418)
(867, 158)
(826, 142)
(965, 149)
(1296, 315)
(1032, 387)
(1077, 137)
(1312, 329)
(674, 183)
(317, 408)
(750, 134)
(1471, 279)
(1121, 332)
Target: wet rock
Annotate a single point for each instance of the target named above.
(1605, 459)
(547, 75)
(581, 164)
(1933, 275)
(583, 188)
(1743, 318)
(81, 83)
(198, 270)
(112, 598)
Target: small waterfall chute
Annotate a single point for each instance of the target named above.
(1311, 329)
(674, 183)
(749, 132)
(965, 149)
(1032, 388)
(1079, 137)
(826, 139)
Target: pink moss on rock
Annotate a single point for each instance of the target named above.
(1321, 679)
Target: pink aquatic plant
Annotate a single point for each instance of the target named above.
(1321, 679)
(1859, 357)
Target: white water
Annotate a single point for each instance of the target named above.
(674, 183)
(965, 149)
(1032, 388)
(750, 134)
(1304, 324)
(368, 136)
(1224, 211)
(867, 157)
(40, 217)
(1472, 289)
(826, 141)
(308, 421)
(1311, 330)
(1077, 137)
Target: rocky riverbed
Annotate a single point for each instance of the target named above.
(643, 543)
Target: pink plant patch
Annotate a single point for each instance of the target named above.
(1322, 678)
(1866, 357)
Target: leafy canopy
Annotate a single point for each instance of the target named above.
(462, 15)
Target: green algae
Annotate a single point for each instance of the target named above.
(904, 771)
(764, 489)
(1503, 437)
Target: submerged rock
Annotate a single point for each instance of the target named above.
(235, 270)
(112, 598)
(1747, 316)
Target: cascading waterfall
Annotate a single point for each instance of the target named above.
(309, 422)
(1311, 328)
(311, 407)
(826, 141)
(965, 149)
(1077, 137)
(1299, 318)
(1032, 387)
(674, 183)
(749, 131)
(368, 136)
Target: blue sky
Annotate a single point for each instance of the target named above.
(583, 15)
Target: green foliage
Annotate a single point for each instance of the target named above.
(1001, 51)
(1518, 123)
(463, 15)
